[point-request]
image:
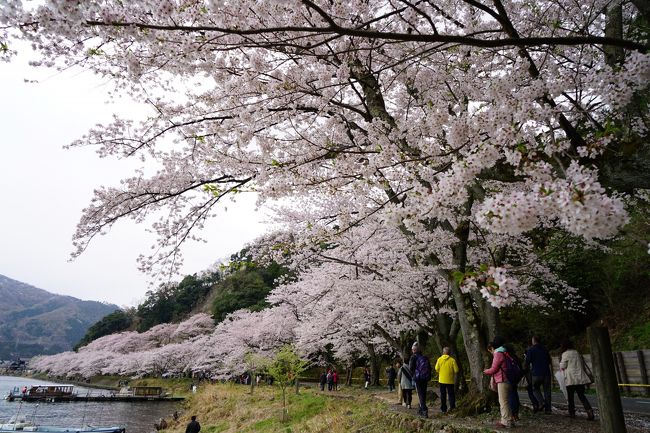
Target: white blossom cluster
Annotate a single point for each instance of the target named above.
(577, 203)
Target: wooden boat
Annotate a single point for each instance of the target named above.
(66, 393)
(48, 392)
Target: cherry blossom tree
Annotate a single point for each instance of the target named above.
(363, 292)
(459, 123)
(163, 348)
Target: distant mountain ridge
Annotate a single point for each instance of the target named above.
(36, 322)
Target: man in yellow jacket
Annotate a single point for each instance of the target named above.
(447, 368)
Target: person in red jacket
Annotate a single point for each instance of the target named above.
(497, 371)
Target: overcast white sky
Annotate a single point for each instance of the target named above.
(44, 187)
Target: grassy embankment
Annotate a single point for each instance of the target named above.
(231, 408)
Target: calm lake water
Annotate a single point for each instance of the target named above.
(137, 417)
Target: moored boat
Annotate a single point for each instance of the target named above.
(21, 425)
(46, 392)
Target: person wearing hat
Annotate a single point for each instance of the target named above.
(497, 371)
(421, 368)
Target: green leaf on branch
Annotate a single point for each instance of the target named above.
(212, 189)
(458, 277)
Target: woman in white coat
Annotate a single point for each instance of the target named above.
(405, 377)
(574, 368)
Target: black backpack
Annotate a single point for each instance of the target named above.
(513, 371)
(422, 368)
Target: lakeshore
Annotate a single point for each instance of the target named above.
(137, 417)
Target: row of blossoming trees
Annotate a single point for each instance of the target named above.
(420, 154)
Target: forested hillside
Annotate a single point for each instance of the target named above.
(34, 321)
(239, 284)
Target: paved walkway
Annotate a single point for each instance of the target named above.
(631, 405)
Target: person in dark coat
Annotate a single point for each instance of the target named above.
(391, 374)
(366, 377)
(538, 361)
(323, 380)
(420, 384)
(193, 426)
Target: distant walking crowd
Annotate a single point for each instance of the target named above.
(329, 378)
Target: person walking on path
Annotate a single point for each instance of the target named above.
(513, 380)
(497, 371)
(366, 377)
(576, 376)
(405, 377)
(421, 368)
(193, 426)
(538, 361)
(391, 374)
(335, 378)
(323, 380)
(529, 386)
(398, 366)
(447, 369)
(330, 380)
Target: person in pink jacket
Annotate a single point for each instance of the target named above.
(497, 371)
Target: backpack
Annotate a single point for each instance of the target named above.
(422, 368)
(513, 370)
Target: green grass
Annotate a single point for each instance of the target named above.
(634, 338)
(216, 428)
(306, 406)
(231, 408)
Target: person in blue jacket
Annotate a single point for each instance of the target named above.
(538, 361)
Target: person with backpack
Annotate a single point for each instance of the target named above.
(421, 368)
(498, 373)
(514, 374)
(405, 377)
(447, 368)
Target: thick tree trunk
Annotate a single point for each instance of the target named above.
(374, 363)
(472, 339)
(468, 318)
(614, 56)
(348, 374)
(375, 366)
